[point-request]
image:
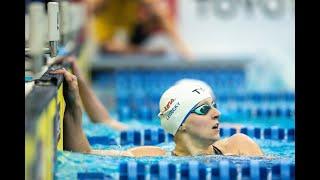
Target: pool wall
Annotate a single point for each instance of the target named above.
(44, 111)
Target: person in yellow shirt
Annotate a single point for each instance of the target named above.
(122, 26)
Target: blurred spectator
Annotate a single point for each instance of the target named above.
(122, 26)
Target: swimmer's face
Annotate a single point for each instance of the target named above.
(203, 122)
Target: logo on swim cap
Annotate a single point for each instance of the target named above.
(172, 111)
(202, 84)
(176, 103)
(168, 104)
(198, 90)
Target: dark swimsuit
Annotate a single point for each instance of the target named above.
(215, 149)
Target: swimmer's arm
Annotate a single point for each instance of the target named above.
(74, 138)
(147, 151)
(95, 109)
(111, 153)
(92, 105)
(140, 151)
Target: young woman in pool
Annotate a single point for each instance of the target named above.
(187, 111)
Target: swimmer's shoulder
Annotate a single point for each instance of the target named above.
(243, 144)
(232, 145)
(240, 138)
(142, 151)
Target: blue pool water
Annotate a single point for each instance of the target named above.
(68, 164)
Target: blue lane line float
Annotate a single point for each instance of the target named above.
(223, 169)
(131, 170)
(130, 137)
(147, 83)
(93, 175)
(227, 131)
(263, 172)
(245, 172)
(147, 137)
(292, 171)
(283, 170)
(151, 137)
(251, 131)
(276, 171)
(227, 170)
(163, 170)
(154, 136)
(105, 140)
(161, 135)
(254, 170)
(291, 134)
(274, 133)
(215, 173)
(193, 170)
(157, 136)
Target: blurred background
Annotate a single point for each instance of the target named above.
(131, 51)
(259, 30)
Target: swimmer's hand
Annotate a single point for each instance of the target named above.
(72, 60)
(70, 89)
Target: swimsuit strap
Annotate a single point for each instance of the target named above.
(216, 150)
(174, 154)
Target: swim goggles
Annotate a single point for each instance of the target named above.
(203, 109)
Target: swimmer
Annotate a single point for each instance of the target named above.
(187, 111)
(92, 105)
(190, 114)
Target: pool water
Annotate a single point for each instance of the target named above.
(68, 164)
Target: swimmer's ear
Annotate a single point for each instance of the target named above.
(182, 128)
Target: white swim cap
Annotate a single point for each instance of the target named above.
(176, 103)
(197, 82)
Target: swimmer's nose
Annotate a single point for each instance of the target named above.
(215, 113)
